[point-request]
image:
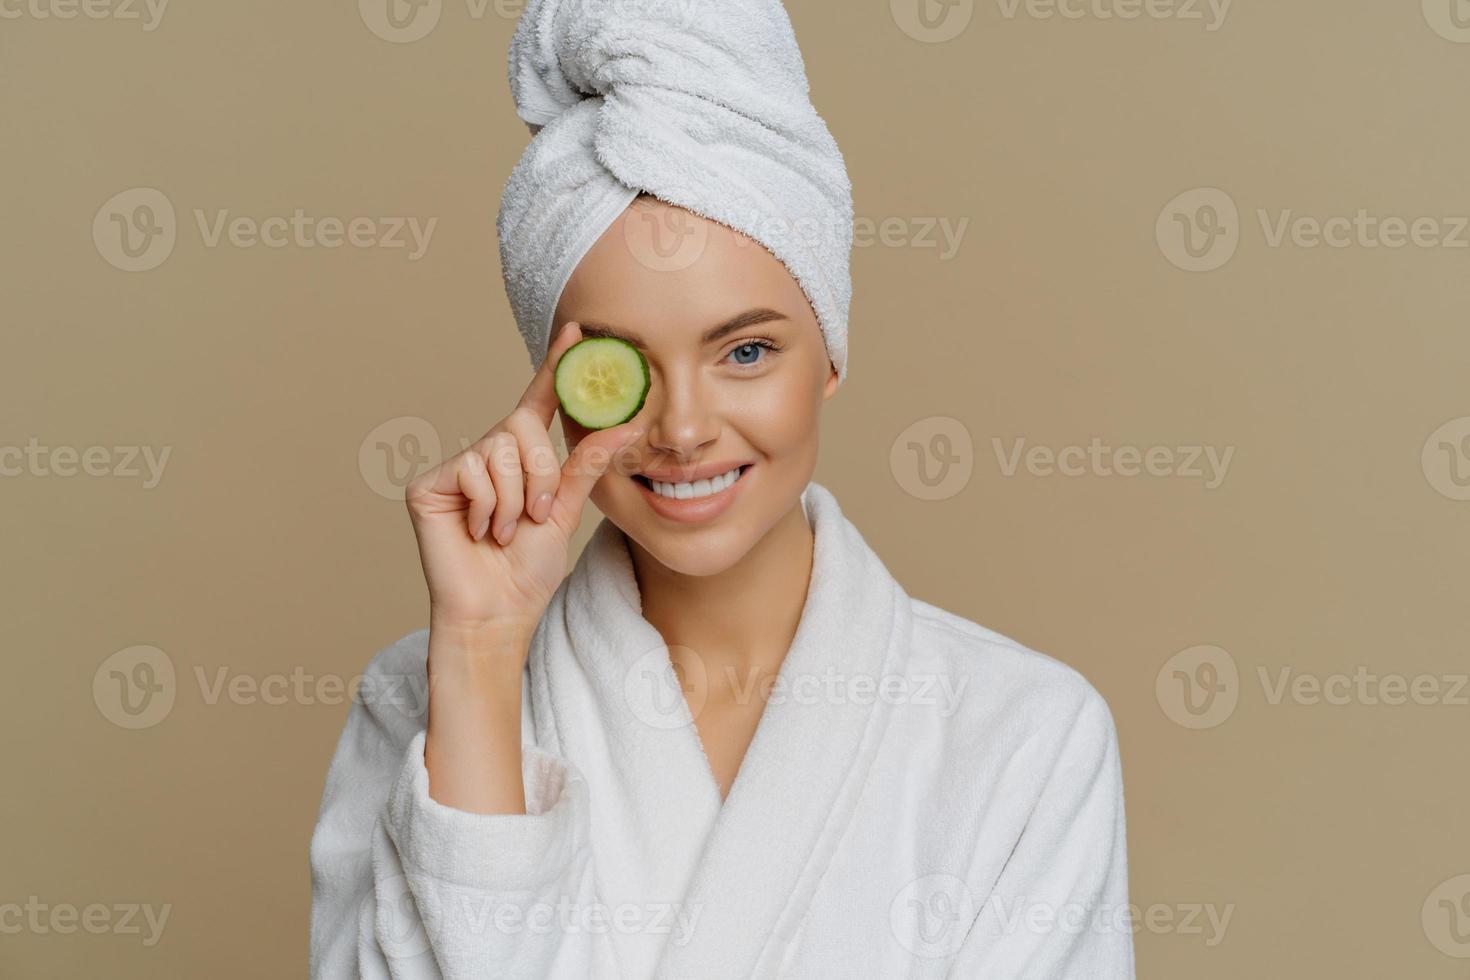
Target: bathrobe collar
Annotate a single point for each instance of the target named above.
(605, 695)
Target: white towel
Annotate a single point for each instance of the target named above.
(706, 106)
(923, 798)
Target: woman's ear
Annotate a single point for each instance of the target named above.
(830, 388)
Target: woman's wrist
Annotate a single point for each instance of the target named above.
(483, 640)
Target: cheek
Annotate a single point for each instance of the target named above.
(777, 418)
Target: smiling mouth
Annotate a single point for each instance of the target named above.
(697, 490)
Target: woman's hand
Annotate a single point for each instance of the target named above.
(494, 523)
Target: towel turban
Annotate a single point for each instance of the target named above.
(703, 104)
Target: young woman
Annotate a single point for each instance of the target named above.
(728, 744)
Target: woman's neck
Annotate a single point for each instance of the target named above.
(740, 622)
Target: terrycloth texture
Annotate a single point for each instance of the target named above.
(705, 106)
(923, 798)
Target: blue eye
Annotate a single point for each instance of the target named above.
(749, 353)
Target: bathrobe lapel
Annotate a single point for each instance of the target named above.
(606, 696)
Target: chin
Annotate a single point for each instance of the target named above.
(697, 551)
(696, 548)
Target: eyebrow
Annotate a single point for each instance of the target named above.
(738, 322)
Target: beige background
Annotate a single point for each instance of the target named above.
(1331, 834)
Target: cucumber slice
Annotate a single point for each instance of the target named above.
(601, 382)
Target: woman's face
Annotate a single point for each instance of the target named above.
(739, 373)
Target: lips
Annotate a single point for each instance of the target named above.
(692, 474)
(717, 483)
(693, 510)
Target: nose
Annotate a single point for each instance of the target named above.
(682, 419)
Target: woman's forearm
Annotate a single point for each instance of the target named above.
(472, 749)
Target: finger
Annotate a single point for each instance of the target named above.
(505, 472)
(586, 465)
(441, 481)
(473, 480)
(539, 461)
(540, 395)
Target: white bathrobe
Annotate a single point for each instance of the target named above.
(923, 797)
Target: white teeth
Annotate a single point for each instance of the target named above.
(699, 488)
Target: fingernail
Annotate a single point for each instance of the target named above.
(541, 507)
(506, 533)
(484, 526)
